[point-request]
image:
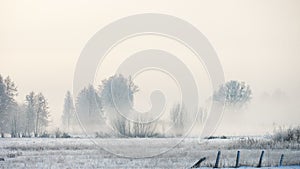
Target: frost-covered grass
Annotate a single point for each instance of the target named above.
(83, 153)
(266, 143)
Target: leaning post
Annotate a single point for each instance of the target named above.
(237, 159)
(217, 160)
(260, 159)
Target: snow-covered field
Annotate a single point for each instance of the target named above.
(86, 153)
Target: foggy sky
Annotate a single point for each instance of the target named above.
(256, 41)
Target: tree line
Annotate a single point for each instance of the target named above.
(111, 102)
(108, 104)
(27, 119)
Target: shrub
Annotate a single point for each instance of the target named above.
(65, 135)
(216, 137)
(287, 135)
(57, 133)
(45, 135)
(103, 135)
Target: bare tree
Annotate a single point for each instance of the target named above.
(235, 94)
(89, 109)
(16, 120)
(42, 114)
(30, 114)
(179, 118)
(8, 91)
(142, 129)
(117, 94)
(68, 116)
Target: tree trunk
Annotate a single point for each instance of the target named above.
(68, 123)
(37, 124)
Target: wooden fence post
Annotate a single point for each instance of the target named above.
(237, 159)
(261, 158)
(281, 160)
(217, 160)
(198, 163)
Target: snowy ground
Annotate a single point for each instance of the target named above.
(84, 153)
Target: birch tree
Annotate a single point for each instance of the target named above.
(68, 117)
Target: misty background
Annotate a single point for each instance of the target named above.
(256, 41)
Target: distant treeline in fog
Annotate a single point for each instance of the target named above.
(103, 110)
